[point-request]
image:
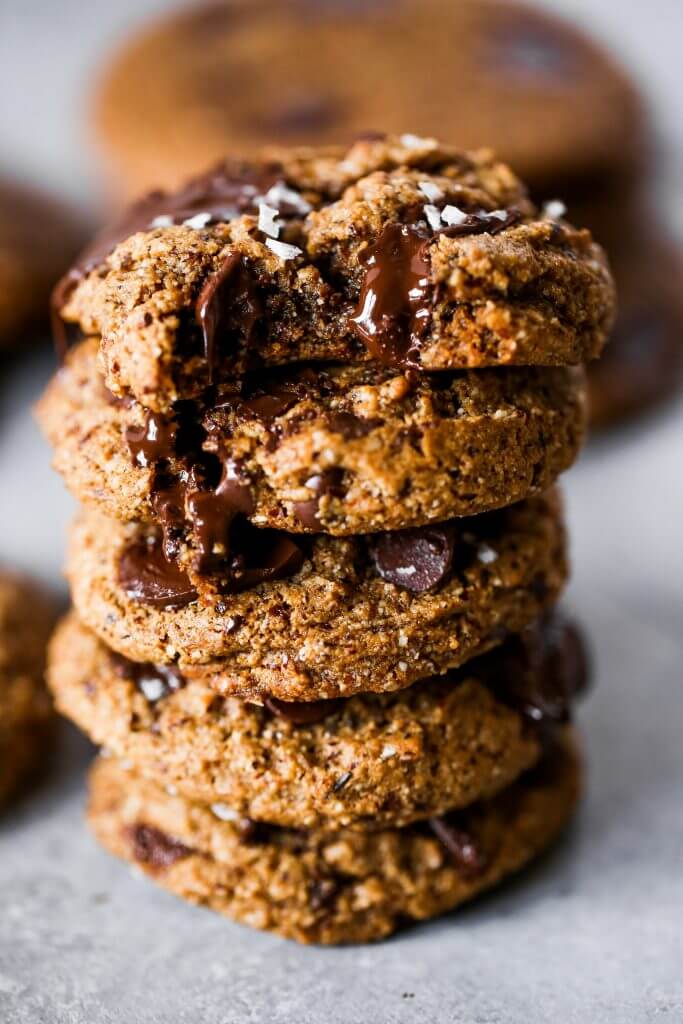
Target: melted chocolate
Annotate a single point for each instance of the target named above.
(394, 309)
(416, 560)
(154, 848)
(301, 712)
(154, 440)
(224, 193)
(461, 845)
(212, 513)
(147, 576)
(229, 297)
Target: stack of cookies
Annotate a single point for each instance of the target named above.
(314, 413)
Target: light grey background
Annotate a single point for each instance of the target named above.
(594, 933)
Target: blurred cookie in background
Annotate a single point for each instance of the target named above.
(229, 77)
(642, 365)
(38, 238)
(235, 76)
(26, 718)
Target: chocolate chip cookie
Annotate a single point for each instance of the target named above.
(38, 238)
(332, 618)
(222, 78)
(400, 251)
(26, 618)
(339, 887)
(339, 449)
(643, 362)
(368, 761)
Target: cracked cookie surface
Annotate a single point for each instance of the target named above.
(421, 256)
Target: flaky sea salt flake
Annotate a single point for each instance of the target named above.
(431, 191)
(268, 220)
(283, 250)
(200, 220)
(453, 215)
(433, 217)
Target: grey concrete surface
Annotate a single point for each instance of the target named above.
(593, 933)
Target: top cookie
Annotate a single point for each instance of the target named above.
(398, 250)
(480, 72)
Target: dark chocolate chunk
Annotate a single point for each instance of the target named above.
(322, 892)
(416, 559)
(545, 670)
(154, 440)
(153, 847)
(153, 681)
(351, 426)
(211, 514)
(461, 845)
(302, 712)
(147, 576)
(327, 482)
(228, 305)
(394, 307)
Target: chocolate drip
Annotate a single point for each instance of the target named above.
(229, 298)
(155, 848)
(461, 845)
(147, 576)
(224, 193)
(418, 559)
(211, 514)
(302, 712)
(154, 440)
(393, 314)
(394, 307)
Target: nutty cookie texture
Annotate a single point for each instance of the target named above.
(558, 107)
(365, 762)
(347, 886)
(26, 618)
(334, 616)
(339, 449)
(398, 250)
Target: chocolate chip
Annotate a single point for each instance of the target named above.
(351, 426)
(153, 681)
(227, 305)
(302, 712)
(416, 560)
(146, 575)
(461, 845)
(327, 482)
(153, 847)
(322, 892)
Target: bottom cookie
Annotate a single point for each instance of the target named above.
(331, 888)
